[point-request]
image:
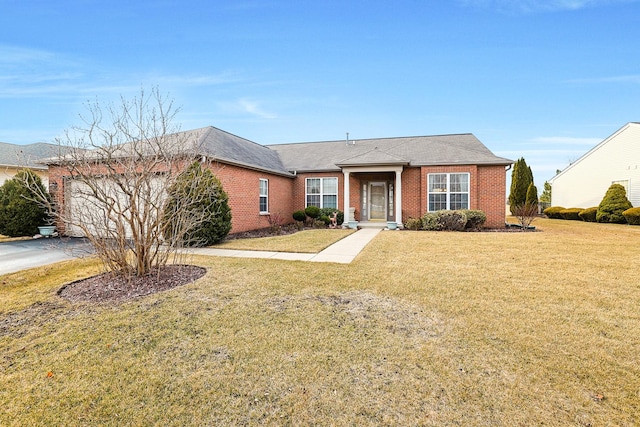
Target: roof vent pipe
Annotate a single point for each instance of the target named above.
(350, 142)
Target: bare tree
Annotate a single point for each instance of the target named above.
(115, 175)
(526, 213)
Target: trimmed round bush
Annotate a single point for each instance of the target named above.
(20, 215)
(444, 221)
(632, 216)
(300, 215)
(475, 219)
(554, 212)
(589, 214)
(205, 203)
(413, 224)
(572, 214)
(613, 204)
(325, 219)
(430, 222)
(312, 212)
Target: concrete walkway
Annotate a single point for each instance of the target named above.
(343, 251)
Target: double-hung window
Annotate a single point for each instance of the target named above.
(448, 191)
(264, 195)
(322, 192)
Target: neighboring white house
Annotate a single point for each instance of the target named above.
(616, 160)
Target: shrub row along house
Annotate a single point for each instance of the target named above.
(371, 180)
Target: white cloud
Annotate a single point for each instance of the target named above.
(254, 108)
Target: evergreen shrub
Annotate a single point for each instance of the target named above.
(613, 204)
(312, 212)
(632, 216)
(20, 215)
(572, 214)
(554, 212)
(444, 221)
(475, 219)
(329, 211)
(413, 224)
(205, 200)
(589, 214)
(300, 215)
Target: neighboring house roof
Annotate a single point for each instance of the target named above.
(461, 149)
(13, 155)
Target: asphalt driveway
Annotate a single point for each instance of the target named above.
(23, 254)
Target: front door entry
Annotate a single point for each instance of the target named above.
(378, 201)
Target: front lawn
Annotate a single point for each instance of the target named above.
(423, 328)
(306, 241)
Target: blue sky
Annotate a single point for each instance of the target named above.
(543, 80)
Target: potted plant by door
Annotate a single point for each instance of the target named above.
(49, 228)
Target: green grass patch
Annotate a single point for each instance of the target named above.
(423, 328)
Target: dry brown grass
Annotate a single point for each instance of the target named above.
(422, 328)
(307, 241)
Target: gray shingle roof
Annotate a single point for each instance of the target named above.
(285, 159)
(227, 147)
(462, 149)
(26, 155)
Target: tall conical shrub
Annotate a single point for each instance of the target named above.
(613, 204)
(521, 177)
(532, 195)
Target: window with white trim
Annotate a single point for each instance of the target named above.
(447, 191)
(264, 195)
(321, 192)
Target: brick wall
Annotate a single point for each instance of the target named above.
(487, 186)
(243, 188)
(286, 195)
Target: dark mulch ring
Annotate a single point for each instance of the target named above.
(108, 287)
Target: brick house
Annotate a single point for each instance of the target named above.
(378, 180)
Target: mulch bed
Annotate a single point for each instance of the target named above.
(108, 287)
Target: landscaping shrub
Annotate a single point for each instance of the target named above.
(475, 219)
(300, 216)
(444, 221)
(205, 200)
(554, 212)
(572, 214)
(430, 222)
(413, 224)
(589, 214)
(19, 214)
(613, 204)
(632, 216)
(329, 211)
(312, 212)
(325, 219)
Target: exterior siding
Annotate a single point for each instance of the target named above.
(584, 183)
